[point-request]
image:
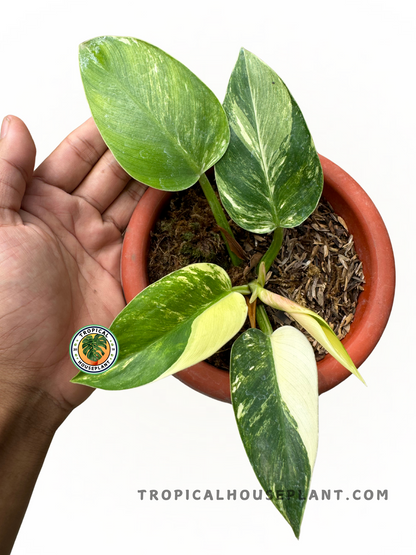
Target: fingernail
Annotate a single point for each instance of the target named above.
(4, 127)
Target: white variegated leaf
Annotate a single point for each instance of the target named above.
(270, 175)
(274, 391)
(174, 323)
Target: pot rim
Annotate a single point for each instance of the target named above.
(372, 244)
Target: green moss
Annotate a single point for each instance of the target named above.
(188, 236)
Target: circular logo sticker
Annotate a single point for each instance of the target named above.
(94, 349)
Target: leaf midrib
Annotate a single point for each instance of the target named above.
(263, 157)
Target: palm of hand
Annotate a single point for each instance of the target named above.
(60, 270)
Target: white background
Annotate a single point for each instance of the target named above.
(350, 66)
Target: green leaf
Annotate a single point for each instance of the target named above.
(314, 324)
(174, 323)
(163, 125)
(270, 175)
(274, 392)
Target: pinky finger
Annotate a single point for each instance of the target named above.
(121, 210)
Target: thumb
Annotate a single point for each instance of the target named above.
(17, 160)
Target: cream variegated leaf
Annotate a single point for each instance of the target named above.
(174, 323)
(270, 175)
(163, 125)
(274, 391)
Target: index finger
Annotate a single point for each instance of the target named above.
(73, 159)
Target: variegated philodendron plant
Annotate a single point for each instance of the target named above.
(166, 128)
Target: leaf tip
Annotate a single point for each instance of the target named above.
(295, 525)
(353, 369)
(359, 376)
(80, 379)
(243, 52)
(86, 44)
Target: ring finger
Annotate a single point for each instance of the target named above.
(121, 210)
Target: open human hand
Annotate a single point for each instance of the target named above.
(60, 246)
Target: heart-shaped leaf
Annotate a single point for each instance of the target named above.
(174, 323)
(270, 175)
(163, 125)
(274, 392)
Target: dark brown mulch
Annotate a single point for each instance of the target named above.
(317, 265)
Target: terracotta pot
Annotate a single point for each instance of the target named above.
(372, 244)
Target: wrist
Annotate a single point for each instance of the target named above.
(29, 411)
(29, 418)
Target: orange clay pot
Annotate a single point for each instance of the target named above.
(372, 245)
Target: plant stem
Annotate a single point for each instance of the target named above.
(272, 251)
(263, 320)
(243, 289)
(218, 214)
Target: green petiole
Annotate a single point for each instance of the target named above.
(263, 320)
(243, 289)
(219, 215)
(273, 250)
